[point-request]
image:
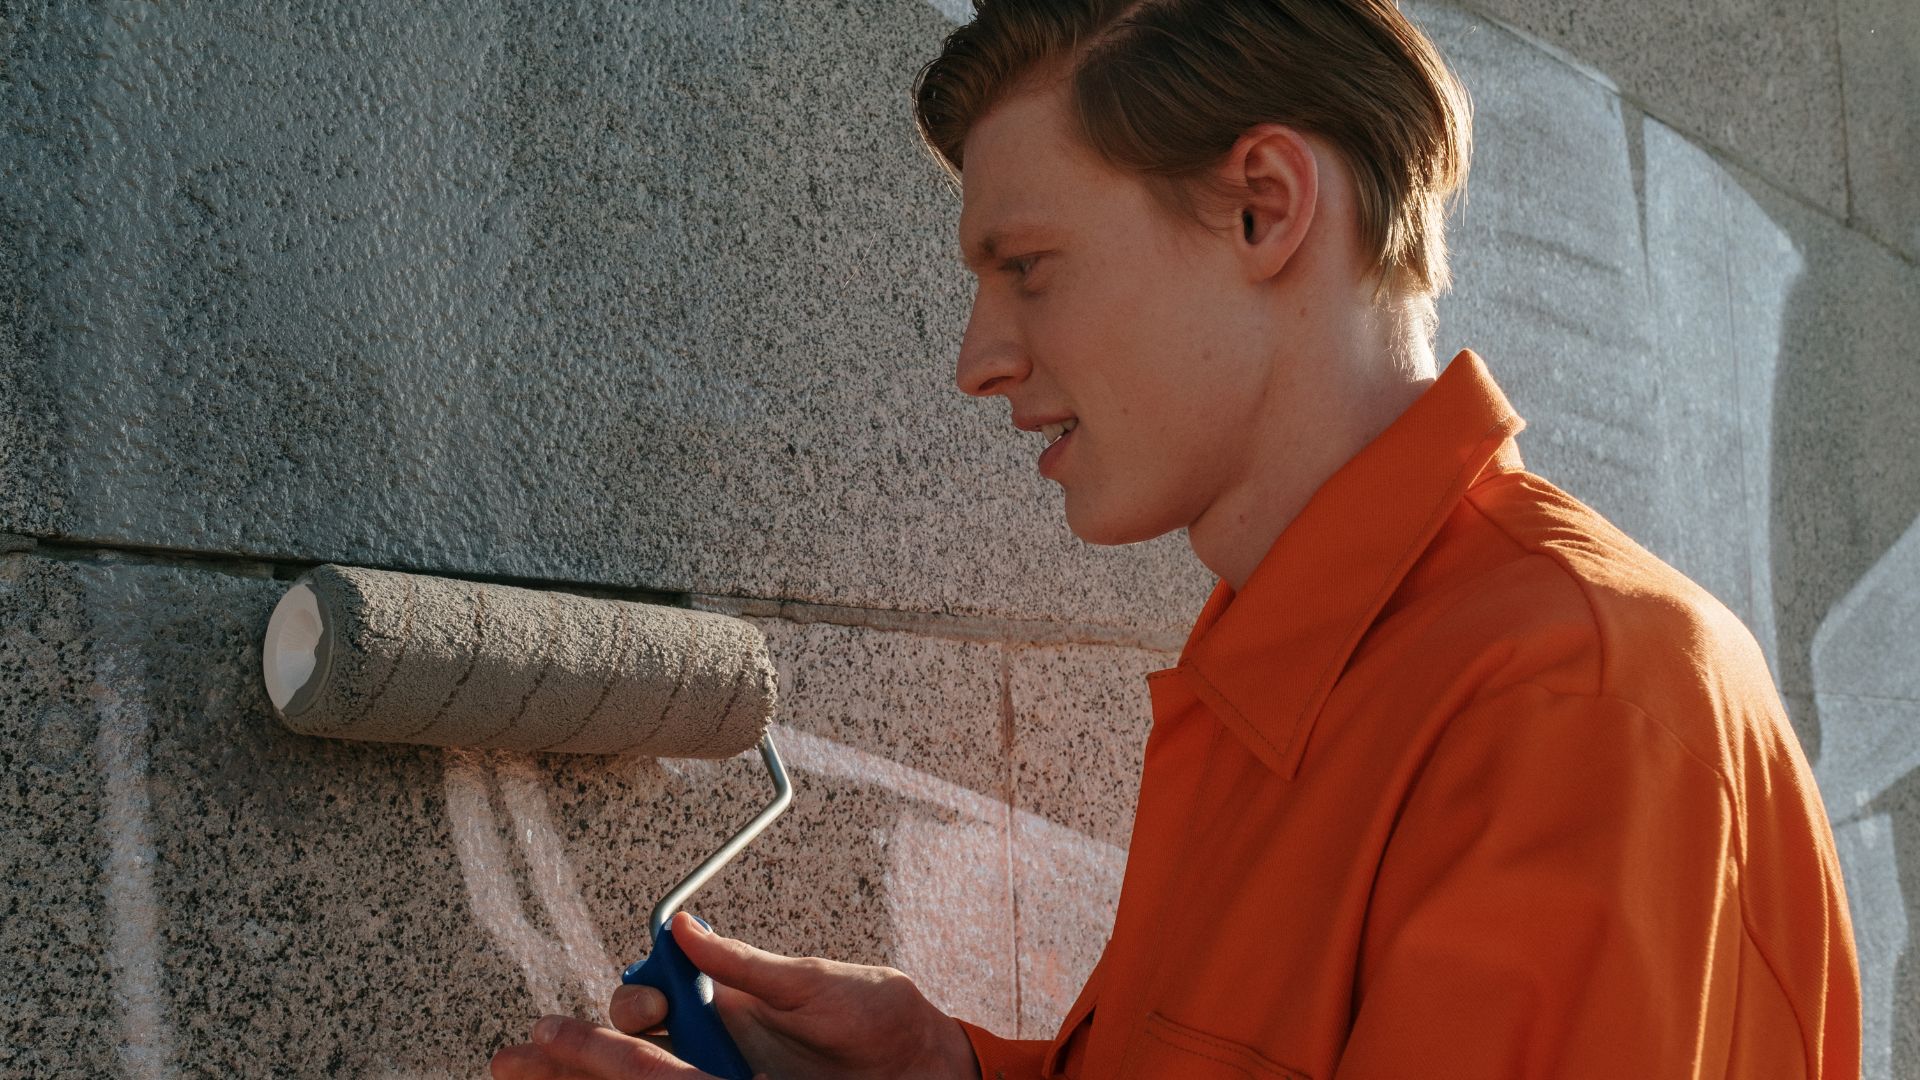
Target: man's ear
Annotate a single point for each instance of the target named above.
(1279, 177)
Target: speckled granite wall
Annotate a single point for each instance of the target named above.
(661, 303)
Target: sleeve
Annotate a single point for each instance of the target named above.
(1557, 897)
(1006, 1059)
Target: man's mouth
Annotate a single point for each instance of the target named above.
(1054, 432)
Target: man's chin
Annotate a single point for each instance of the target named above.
(1108, 530)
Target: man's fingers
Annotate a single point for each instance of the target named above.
(784, 982)
(605, 1053)
(526, 1062)
(637, 1009)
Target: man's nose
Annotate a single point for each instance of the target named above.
(992, 360)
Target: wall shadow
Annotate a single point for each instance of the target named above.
(1845, 488)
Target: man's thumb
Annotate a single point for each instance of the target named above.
(781, 981)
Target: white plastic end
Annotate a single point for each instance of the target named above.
(291, 649)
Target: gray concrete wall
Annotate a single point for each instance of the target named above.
(660, 303)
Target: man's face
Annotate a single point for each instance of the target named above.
(1096, 304)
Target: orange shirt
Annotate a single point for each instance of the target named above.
(1465, 783)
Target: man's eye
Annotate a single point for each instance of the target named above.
(1022, 265)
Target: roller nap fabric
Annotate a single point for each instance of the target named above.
(418, 659)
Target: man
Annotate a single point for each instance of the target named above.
(1486, 790)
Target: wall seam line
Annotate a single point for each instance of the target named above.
(1721, 153)
(1007, 747)
(987, 628)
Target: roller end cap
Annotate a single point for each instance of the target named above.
(293, 654)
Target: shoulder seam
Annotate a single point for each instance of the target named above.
(1727, 785)
(1593, 610)
(1740, 852)
(1724, 783)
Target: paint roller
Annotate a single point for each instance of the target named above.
(352, 653)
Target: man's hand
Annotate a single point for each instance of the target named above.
(567, 1049)
(793, 1018)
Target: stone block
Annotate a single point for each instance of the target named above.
(1760, 78)
(1880, 66)
(904, 739)
(1081, 716)
(931, 701)
(1549, 268)
(192, 887)
(1868, 643)
(1829, 376)
(29, 500)
(81, 994)
(1868, 771)
(657, 297)
(1703, 528)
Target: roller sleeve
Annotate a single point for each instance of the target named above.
(354, 653)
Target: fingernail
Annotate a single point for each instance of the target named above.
(546, 1029)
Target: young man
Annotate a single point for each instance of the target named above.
(1486, 789)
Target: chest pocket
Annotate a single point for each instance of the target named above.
(1165, 1048)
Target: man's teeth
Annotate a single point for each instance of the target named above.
(1054, 431)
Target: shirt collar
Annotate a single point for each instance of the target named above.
(1266, 659)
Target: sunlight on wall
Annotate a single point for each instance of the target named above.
(948, 853)
(1864, 750)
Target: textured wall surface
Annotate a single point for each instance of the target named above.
(660, 301)
(661, 296)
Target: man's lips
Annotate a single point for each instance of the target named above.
(1050, 457)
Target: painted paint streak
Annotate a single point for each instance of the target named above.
(487, 870)
(1073, 879)
(133, 906)
(824, 757)
(934, 869)
(585, 956)
(947, 896)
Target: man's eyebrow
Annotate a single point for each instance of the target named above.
(987, 251)
(992, 244)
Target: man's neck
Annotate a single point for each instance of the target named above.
(1291, 462)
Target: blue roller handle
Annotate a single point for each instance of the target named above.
(699, 1038)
